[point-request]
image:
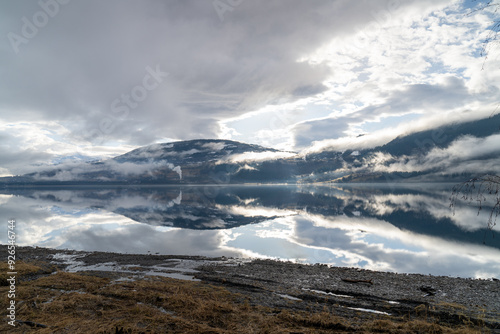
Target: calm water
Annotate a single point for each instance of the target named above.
(382, 227)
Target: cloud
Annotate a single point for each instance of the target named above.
(129, 168)
(412, 99)
(128, 73)
(101, 79)
(214, 146)
(467, 154)
(402, 128)
(75, 171)
(27, 146)
(424, 64)
(466, 148)
(258, 156)
(311, 131)
(76, 67)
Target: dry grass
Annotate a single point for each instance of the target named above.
(451, 305)
(24, 270)
(77, 303)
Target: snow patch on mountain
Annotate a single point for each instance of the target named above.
(259, 156)
(214, 146)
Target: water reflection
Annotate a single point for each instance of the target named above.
(403, 229)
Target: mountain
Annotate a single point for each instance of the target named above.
(449, 153)
(441, 137)
(191, 152)
(186, 162)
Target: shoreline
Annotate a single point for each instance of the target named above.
(346, 292)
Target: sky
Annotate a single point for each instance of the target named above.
(92, 79)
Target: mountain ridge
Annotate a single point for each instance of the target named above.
(447, 153)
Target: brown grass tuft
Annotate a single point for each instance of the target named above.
(82, 303)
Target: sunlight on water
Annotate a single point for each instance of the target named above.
(400, 229)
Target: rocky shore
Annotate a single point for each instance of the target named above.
(348, 293)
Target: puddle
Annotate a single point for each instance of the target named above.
(367, 310)
(327, 293)
(289, 297)
(174, 268)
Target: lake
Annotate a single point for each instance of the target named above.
(402, 228)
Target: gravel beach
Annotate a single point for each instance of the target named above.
(347, 292)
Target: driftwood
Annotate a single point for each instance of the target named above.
(369, 281)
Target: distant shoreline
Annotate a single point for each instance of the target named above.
(145, 185)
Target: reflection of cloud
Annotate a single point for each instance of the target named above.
(5, 198)
(432, 200)
(255, 211)
(87, 229)
(437, 205)
(369, 243)
(370, 240)
(110, 199)
(139, 238)
(411, 252)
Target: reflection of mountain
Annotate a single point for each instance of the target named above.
(420, 211)
(191, 207)
(450, 153)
